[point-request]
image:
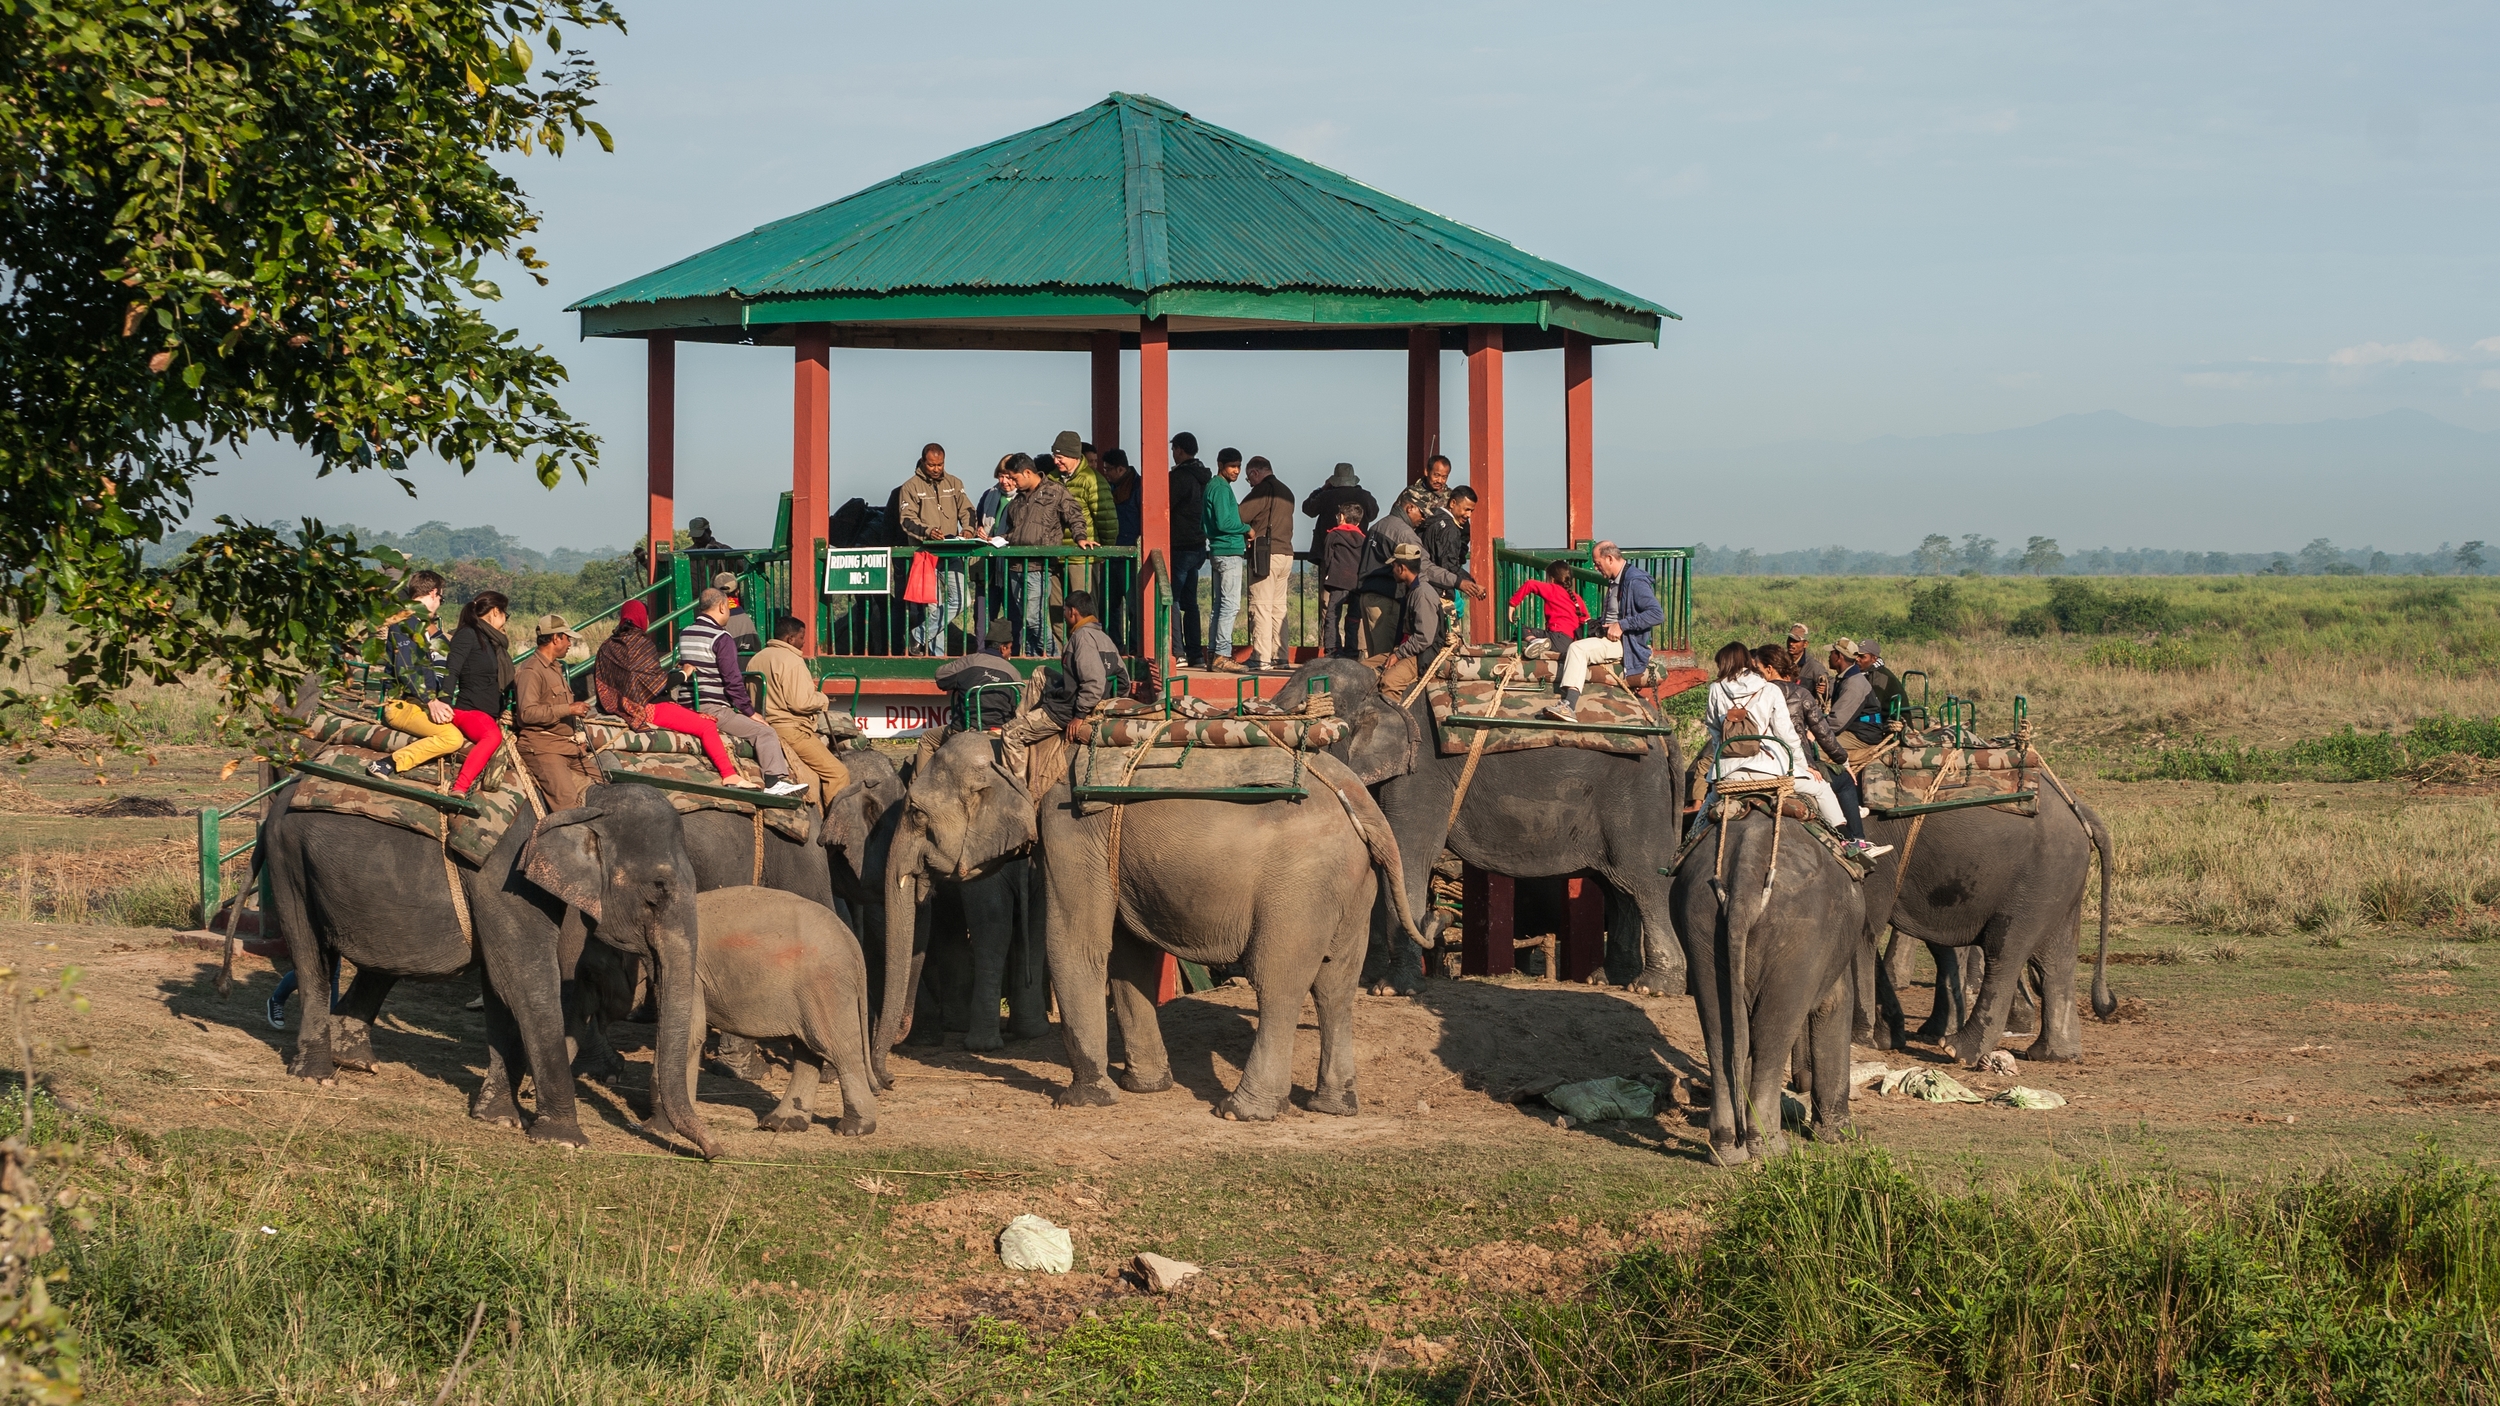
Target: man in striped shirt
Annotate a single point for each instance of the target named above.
(710, 658)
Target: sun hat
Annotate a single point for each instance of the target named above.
(550, 626)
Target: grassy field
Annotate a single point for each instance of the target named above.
(2274, 1179)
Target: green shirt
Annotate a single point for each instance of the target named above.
(1226, 537)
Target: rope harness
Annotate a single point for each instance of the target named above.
(1504, 677)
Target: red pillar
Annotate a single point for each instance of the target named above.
(811, 437)
(1489, 931)
(1106, 390)
(1423, 399)
(1154, 439)
(1582, 949)
(1579, 451)
(1484, 470)
(660, 446)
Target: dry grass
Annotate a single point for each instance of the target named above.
(2323, 861)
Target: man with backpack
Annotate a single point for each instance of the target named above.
(1340, 554)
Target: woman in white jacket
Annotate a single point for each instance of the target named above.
(1740, 686)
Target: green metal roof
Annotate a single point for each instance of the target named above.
(1130, 208)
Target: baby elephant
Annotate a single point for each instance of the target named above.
(778, 966)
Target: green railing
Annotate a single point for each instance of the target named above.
(978, 583)
(214, 857)
(1669, 570)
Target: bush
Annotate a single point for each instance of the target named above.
(2082, 608)
(1837, 1276)
(1936, 610)
(2033, 622)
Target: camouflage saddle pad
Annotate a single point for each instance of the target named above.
(1599, 703)
(1291, 732)
(1487, 661)
(795, 823)
(612, 735)
(1188, 768)
(471, 838)
(1927, 768)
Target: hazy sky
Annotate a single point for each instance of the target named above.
(1876, 220)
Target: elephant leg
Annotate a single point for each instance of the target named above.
(990, 931)
(1864, 1021)
(1985, 1025)
(1081, 920)
(1282, 978)
(1781, 1006)
(739, 1057)
(1136, 970)
(528, 987)
(1946, 1011)
(1028, 974)
(1662, 970)
(1974, 975)
(2061, 1036)
(1827, 1045)
(2024, 1019)
(1333, 993)
(1892, 974)
(1800, 1064)
(859, 1094)
(505, 1064)
(1394, 963)
(312, 1059)
(351, 1025)
(797, 1104)
(1711, 994)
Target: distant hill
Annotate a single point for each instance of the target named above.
(441, 542)
(2402, 480)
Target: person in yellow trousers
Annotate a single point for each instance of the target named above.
(419, 681)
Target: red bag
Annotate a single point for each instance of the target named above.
(921, 589)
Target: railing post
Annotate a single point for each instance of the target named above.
(212, 856)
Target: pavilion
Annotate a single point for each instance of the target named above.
(1128, 225)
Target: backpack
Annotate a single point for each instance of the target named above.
(1738, 722)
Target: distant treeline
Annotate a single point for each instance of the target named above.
(436, 543)
(1974, 554)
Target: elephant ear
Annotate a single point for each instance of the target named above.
(1381, 741)
(564, 859)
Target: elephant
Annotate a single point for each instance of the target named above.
(377, 895)
(1285, 888)
(779, 966)
(1531, 814)
(983, 944)
(2011, 886)
(1771, 952)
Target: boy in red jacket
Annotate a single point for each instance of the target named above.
(1340, 553)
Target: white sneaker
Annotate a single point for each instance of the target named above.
(784, 787)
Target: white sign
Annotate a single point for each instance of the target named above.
(858, 571)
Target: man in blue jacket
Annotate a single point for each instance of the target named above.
(1631, 611)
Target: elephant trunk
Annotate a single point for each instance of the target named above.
(680, 1043)
(901, 896)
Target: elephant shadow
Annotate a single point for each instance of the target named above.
(1500, 1038)
(425, 1024)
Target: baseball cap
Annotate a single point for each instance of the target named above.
(550, 626)
(1799, 631)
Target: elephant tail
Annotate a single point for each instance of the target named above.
(2104, 1005)
(1742, 902)
(1382, 843)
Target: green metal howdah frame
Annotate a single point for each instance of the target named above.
(1670, 570)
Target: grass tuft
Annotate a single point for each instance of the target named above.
(1837, 1276)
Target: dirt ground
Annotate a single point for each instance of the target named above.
(2281, 1056)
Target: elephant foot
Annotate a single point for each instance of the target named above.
(1387, 986)
(1234, 1108)
(498, 1110)
(780, 1121)
(1095, 1095)
(850, 1126)
(1729, 1152)
(1775, 1145)
(924, 1036)
(752, 1067)
(1339, 1103)
(984, 1041)
(2041, 1052)
(1137, 1083)
(1032, 1031)
(599, 1067)
(314, 1064)
(1657, 983)
(1832, 1129)
(564, 1133)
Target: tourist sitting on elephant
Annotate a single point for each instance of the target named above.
(630, 683)
(1086, 668)
(1565, 612)
(1760, 711)
(543, 711)
(710, 658)
(481, 669)
(1419, 632)
(1772, 662)
(1377, 591)
(1864, 696)
(794, 704)
(417, 682)
(986, 668)
(1631, 611)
